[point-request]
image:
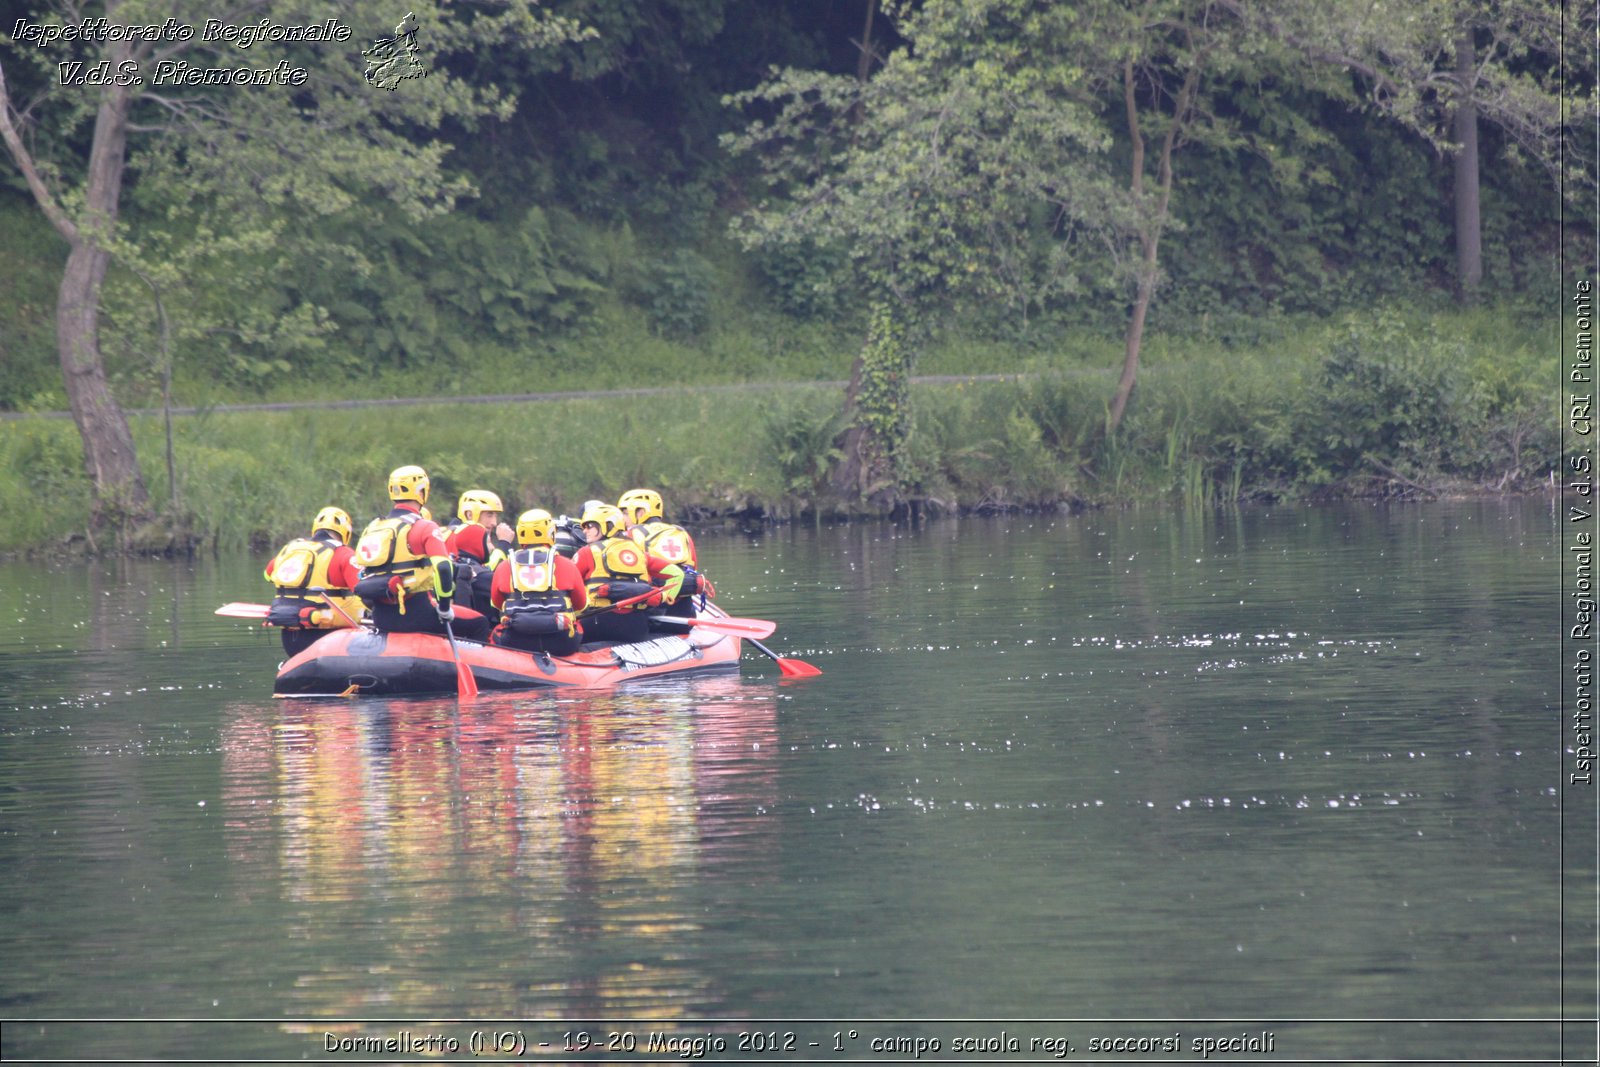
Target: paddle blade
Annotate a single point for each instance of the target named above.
(791, 668)
(797, 668)
(240, 610)
(725, 624)
(466, 684)
(756, 628)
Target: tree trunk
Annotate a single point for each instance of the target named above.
(1469, 230)
(850, 477)
(864, 61)
(1151, 226)
(108, 451)
(878, 405)
(1134, 339)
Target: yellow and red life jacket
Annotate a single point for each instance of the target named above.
(672, 543)
(302, 565)
(384, 551)
(385, 546)
(299, 567)
(533, 581)
(621, 563)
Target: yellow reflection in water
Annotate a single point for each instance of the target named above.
(523, 854)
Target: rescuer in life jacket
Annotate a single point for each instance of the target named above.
(616, 568)
(477, 540)
(644, 511)
(407, 578)
(538, 591)
(314, 578)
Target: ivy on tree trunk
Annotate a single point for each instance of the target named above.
(878, 402)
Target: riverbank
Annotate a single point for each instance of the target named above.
(1368, 406)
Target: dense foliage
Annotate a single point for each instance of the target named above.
(587, 245)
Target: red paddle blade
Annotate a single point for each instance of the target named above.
(466, 684)
(756, 628)
(722, 624)
(240, 610)
(797, 668)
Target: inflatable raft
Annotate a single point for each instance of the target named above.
(354, 662)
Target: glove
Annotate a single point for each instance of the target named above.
(446, 612)
(674, 586)
(567, 622)
(444, 577)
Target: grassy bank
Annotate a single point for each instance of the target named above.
(1369, 404)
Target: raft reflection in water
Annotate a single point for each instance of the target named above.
(526, 855)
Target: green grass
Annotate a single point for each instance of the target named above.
(1283, 414)
(1209, 425)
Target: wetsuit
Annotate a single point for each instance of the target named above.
(616, 569)
(405, 567)
(538, 593)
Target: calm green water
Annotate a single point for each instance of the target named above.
(1282, 771)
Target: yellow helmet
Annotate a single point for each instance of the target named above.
(536, 527)
(608, 518)
(475, 502)
(641, 505)
(408, 483)
(335, 519)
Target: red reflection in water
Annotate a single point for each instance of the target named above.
(582, 834)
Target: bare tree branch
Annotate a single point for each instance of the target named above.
(30, 170)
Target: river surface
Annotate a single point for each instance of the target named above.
(1288, 779)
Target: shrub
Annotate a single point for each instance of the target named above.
(676, 292)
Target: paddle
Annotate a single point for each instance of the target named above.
(791, 668)
(334, 604)
(466, 684)
(722, 624)
(619, 604)
(750, 629)
(242, 610)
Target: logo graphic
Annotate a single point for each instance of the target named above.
(391, 60)
(373, 548)
(293, 570)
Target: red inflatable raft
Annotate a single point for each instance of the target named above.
(362, 661)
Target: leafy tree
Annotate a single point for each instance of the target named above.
(932, 173)
(1168, 74)
(1442, 67)
(227, 168)
(929, 176)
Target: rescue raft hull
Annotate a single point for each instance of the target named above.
(364, 662)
